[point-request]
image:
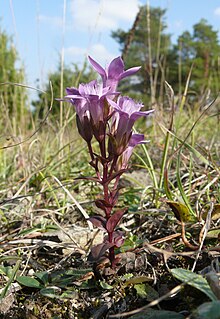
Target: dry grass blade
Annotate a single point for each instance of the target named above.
(42, 122)
(82, 210)
(154, 303)
(36, 243)
(203, 233)
(23, 85)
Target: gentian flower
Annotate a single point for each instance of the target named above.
(127, 111)
(135, 139)
(91, 106)
(83, 117)
(110, 120)
(114, 72)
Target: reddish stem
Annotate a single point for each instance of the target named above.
(90, 151)
(112, 249)
(113, 165)
(106, 174)
(112, 255)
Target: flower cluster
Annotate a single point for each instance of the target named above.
(103, 114)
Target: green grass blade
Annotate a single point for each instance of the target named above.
(195, 152)
(180, 186)
(11, 279)
(148, 165)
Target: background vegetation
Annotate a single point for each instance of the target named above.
(42, 158)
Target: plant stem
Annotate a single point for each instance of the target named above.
(113, 164)
(111, 250)
(107, 172)
(90, 150)
(112, 255)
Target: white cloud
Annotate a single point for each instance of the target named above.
(178, 24)
(75, 51)
(101, 54)
(98, 51)
(103, 14)
(53, 21)
(217, 11)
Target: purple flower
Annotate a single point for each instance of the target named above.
(135, 139)
(127, 111)
(89, 98)
(114, 72)
(91, 106)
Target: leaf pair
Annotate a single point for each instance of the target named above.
(98, 251)
(110, 224)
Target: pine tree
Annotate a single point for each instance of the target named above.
(146, 44)
(199, 50)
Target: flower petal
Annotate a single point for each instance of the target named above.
(115, 68)
(72, 91)
(98, 67)
(90, 88)
(134, 116)
(136, 139)
(129, 72)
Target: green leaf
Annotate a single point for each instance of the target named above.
(194, 280)
(29, 282)
(145, 291)
(133, 208)
(63, 278)
(50, 292)
(181, 211)
(6, 270)
(30, 231)
(130, 242)
(213, 233)
(105, 285)
(77, 272)
(209, 310)
(140, 289)
(43, 276)
(127, 276)
(137, 280)
(7, 258)
(63, 282)
(69, 294)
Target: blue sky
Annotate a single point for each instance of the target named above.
(40, 33)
